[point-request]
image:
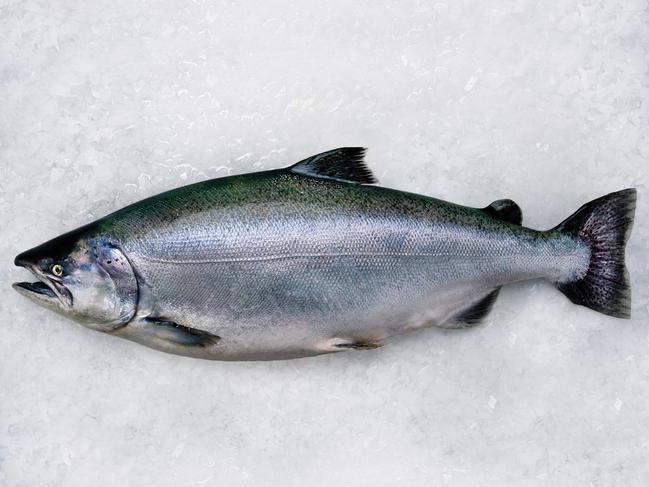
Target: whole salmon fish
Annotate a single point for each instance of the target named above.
(314, 259)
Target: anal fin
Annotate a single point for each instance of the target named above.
(475, 313)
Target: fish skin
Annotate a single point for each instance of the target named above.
(278, 264)
(312, 259)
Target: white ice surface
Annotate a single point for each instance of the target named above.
(106, 102)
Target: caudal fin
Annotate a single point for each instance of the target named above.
(604, 224)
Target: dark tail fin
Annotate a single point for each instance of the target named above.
(604, 224)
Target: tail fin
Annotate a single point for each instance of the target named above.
(604, 224)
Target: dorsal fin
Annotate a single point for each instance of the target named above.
(505, 210)
(344, 164)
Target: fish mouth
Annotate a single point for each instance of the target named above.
(34, 287)
(46, 290)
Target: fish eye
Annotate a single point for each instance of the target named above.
(57, 270)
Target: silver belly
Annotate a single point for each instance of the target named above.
(296, 305)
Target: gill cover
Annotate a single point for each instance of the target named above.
(107, 291)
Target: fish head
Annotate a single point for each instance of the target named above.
(84, 277)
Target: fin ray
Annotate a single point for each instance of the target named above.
(173, 333)
(604, 225)
(475, 313)
(343, 164)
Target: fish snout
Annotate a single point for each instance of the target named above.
(26, 259)
(21, 261)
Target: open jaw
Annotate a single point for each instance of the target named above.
(45, 290)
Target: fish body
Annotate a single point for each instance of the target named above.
(307, 260)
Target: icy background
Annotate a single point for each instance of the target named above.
(106, 102)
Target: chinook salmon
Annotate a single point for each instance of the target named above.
(313, 259)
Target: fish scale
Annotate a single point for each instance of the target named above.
(314, 259)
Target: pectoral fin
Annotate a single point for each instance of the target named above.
(174, 334)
